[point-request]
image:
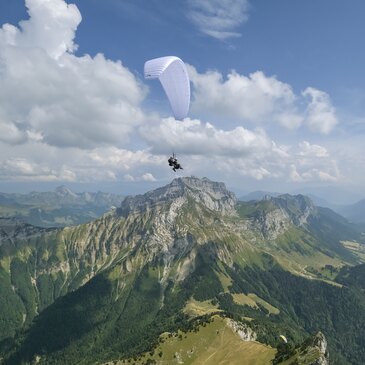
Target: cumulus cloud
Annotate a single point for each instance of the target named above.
(321, 115)
(42, 162)
(51, 27)
(275, 163)
(145, 177)
(65, 117)
(239, 152)
(148, 177)
(313, 162)
(197, 138)
(258, 98)
(11, 134)
(21, 169)
(218, 18)
(255, 98)
(312, 150)
(63, 99)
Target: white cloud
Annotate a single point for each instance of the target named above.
(218, 18)
(312, 150)
(194, 137)
(69, 118)
(233, 154)
(145, 177)
(39, 161)
(294, 176)
(255, 98)
(62, 99)
(290, 120)
(113, 157)
(21, 169)
(148, 177)
(314, 163)
(10, 133)
(258, 98)
(239, 152)
(51, 27)
(128, 178)
(321, 115)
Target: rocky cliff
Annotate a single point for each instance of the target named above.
(213, 195)
(12, 229)
(313, 351)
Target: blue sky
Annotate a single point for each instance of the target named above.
(277, 93)
(315, 43)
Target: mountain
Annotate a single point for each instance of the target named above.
(169, 261)
(313, 351)
(332, 194)
(257, 195)
(58, 208)
(220, 340)
(354, 212)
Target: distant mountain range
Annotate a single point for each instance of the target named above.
(58, 208)
(353, 212)
(186, 274)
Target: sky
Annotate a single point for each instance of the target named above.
(277, 102)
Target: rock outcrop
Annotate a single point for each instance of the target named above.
(313, 351)
(245, 332)
(213, 195)
(12, 229)
(282, 212)
(320, 344)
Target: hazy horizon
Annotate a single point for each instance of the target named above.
(331, 194)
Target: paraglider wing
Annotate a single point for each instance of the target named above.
(283, 338)
(172, 73)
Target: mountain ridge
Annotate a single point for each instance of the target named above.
(58, 208)
(213, 195)
(189, 240)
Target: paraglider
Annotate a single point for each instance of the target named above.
(283, 338)
(172, 73)
(173, 162)
(174, 78)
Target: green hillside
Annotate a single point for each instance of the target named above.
(213, 343)
(167, 261)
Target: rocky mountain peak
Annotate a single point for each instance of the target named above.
(275, 215)
(313, 351)
(319, 342)
(296, 207)
(213, 195)
(64, 191)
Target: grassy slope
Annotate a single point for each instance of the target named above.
(213, 344)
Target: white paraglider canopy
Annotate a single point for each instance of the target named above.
(172, 73)
(283, 338)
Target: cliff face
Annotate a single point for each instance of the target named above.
(245, 332)
(313, 351)
(281, 213)
(12, 229)
(320, 344)
(213, 195)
